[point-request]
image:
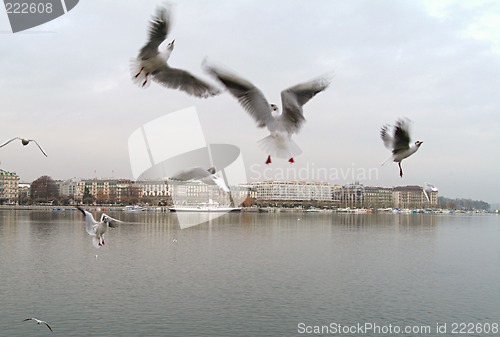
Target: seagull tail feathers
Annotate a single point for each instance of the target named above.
(279, 145)
(95, 242)
(387, 161)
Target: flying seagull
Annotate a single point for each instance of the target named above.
(152, 63)
(198, 173)
(280, 125)
(97, 229)
(428, 188)
(38, 322)
(24, 142)
(399, 142)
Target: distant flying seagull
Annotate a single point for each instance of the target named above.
(399, 142)
(38, 322)
(280, 125)
(206, 176)
(97, 229)
(153, 63)
(24, 142)
(428, 188)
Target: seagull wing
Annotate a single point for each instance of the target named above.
(10, 140)
(174, 78)
(34, 141)
(158, 30)
(48, 326)
(386, 137)
(401, 138)
(192, 173)
(90, 223)
(249, 96)
(294, 98)
(426, 194)
(220, 182)
(113, 223)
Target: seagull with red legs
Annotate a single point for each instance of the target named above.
(97, 229)
(281, 125)
(399, 142)
(151, 63)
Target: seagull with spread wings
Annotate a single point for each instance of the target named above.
(151, 63)
(25, 142)
(428, 189)
(399, 142)
(97, 229)
(281, 125)
(38, 321)
(208, 177)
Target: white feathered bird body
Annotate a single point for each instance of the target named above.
(282, 125)
(97, 229)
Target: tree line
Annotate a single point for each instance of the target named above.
(463, 204)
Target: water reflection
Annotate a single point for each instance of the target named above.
(263, 273)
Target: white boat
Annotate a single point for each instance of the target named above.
(134, 208)
(205, 209)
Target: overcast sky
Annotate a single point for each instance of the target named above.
(67, 84)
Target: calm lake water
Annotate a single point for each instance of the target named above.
(249, 274)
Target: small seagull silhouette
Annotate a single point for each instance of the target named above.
(38, 321)
(24, 142)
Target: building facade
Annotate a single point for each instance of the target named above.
(289, 193)
(414, 197)
(9, 191)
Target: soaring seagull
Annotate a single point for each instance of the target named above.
(206, 176)
(38, 321)
(97, 229)
(428, 188)
(152, 63)
(25, 142)
(399, 142)
(281, 125)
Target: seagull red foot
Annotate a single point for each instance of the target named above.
(140, 71)
(146, 80)
(291, 161)
(268, 161)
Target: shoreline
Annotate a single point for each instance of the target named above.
(166, 209)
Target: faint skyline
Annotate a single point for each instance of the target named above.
(437, 63)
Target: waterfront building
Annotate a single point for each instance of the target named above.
(154, 188)
(291, 193)
(378, 197)
(70, 189)
(23, 192)
(195, 192)
(109, 191)
(352, 195)
(413, 197)
(9, 192)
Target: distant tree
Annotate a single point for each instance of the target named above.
(131, 194)
(44, 189)
(465, 204)
(87, 197)
(101, 198)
